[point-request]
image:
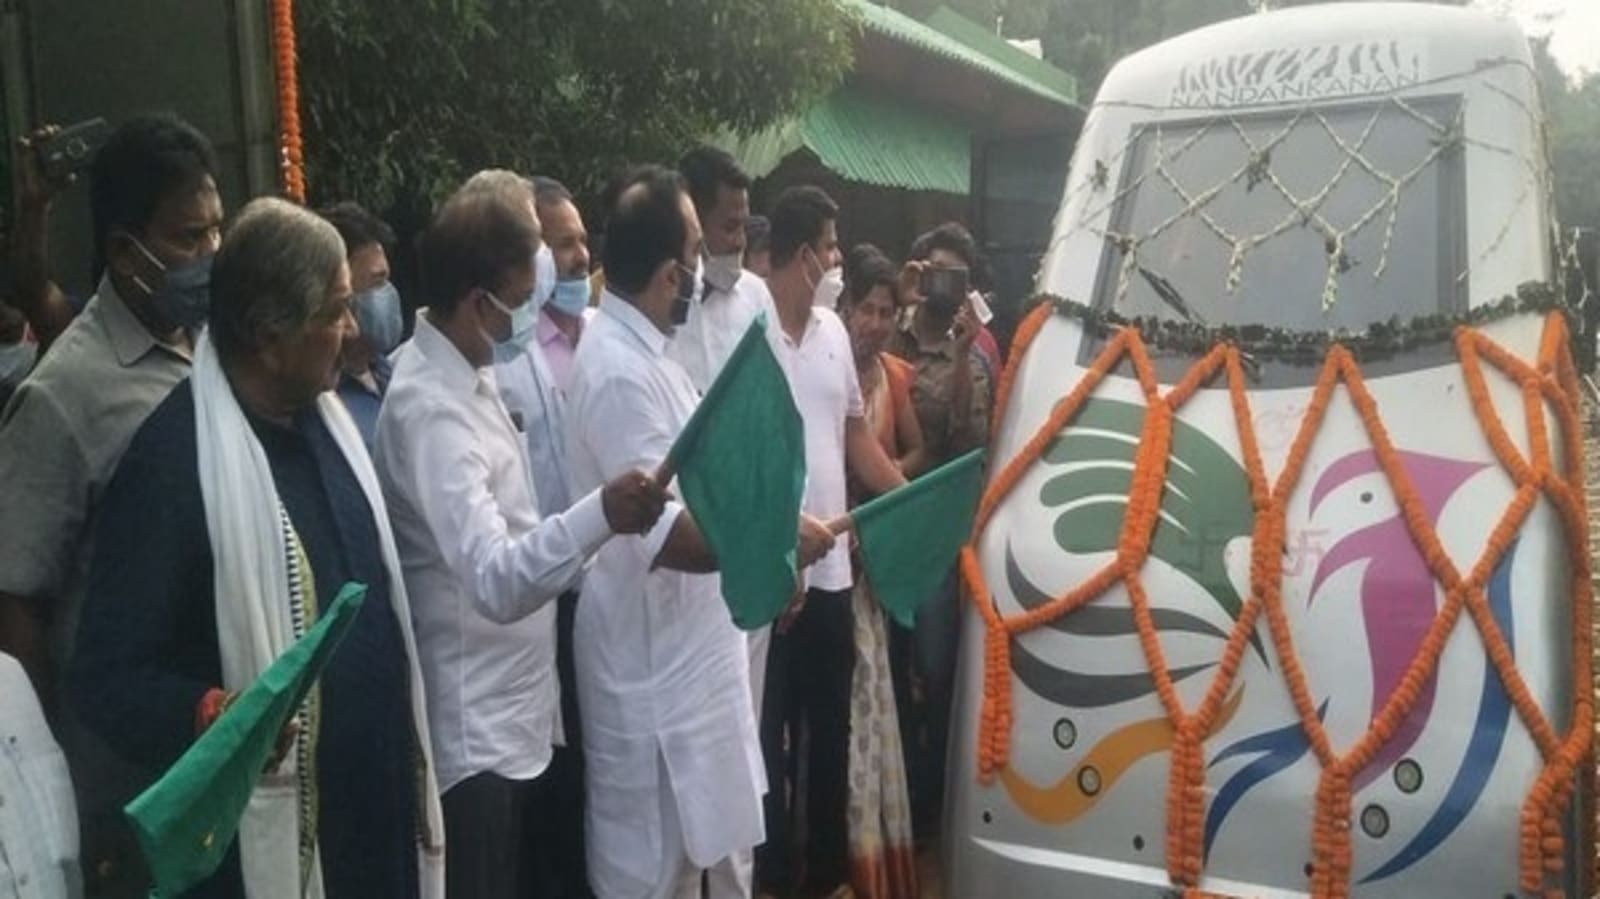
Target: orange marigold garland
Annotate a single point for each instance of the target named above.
(1554, 380)
(291, 146)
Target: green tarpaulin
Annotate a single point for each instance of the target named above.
(187, 819)
(910, 537)
(741, 469)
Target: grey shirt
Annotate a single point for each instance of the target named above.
(60, 438)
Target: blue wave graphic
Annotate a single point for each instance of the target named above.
(1483, 749)
(1282, 747)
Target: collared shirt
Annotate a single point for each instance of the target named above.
(943, 436)
(558, 347)
(663, 674)
(716, 322)
(822, 376)
(365, 400)
(481, 565)
(538, 407)
(38, 820)
(60, 438)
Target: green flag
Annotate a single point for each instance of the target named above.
(910, 537)
(741, 466)
(186, 820)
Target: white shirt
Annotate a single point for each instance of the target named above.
(480, 564)
(703, 343)
(822, 376)
(38, 819)
(662, 672)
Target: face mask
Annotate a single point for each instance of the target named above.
(722, 272)
(688, 279)
(524, 318)
(571, 296)
(826, 293)
(16, 360)
(379, 317)
(544, 275)
(184, 298)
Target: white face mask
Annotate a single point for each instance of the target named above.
(722, 272)
(826, 293)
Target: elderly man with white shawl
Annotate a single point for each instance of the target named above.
(242, 505)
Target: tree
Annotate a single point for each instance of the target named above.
(1572, 109)
(403, 100)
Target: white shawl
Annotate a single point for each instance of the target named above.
(254, 623)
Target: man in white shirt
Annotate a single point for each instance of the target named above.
(729, 298)
(481, 564)
(673, 760)
(533, 373)
(812, 657)
(38, 818)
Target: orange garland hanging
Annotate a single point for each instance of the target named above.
(291, 148)
(1554, 379)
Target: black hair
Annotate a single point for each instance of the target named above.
(798, 219)
(645, 226)
(866, 267)
(707, 169)
(952, 237)
(757, 234)
(474, 240)
(357, 226)
(145, 160)
(548, 191)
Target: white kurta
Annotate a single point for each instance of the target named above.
(662, 671)
(716, 322)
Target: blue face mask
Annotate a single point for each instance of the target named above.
(183, 299)
(571, 296)
(524, 321)
(379, 316)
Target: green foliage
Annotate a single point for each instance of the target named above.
(1573, 110)
(402, 100)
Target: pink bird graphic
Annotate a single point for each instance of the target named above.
(1398, 593)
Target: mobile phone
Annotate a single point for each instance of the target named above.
(980, 308)
(72, 148)
(944, 283)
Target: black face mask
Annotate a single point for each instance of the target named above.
(686, 285)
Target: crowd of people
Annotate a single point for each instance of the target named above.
(543, 693)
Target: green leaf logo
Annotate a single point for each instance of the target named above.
(1204, 505)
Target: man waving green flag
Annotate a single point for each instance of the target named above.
(187, 819)
(741, 468)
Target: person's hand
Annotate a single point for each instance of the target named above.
(632, 503)
(33, 189)
(965, 328)
(911, 282)
(791, 612)
(816, 540)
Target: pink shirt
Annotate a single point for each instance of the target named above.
(558, 349)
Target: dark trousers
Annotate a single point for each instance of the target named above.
(554, 836)
(805, 738)
(484, 819)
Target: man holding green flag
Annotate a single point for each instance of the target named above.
(673, 762)
(812, 654)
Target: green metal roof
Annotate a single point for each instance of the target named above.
(902, 28)
(862, 136)
(958, 27)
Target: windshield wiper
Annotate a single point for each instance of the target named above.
(1169, 294)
